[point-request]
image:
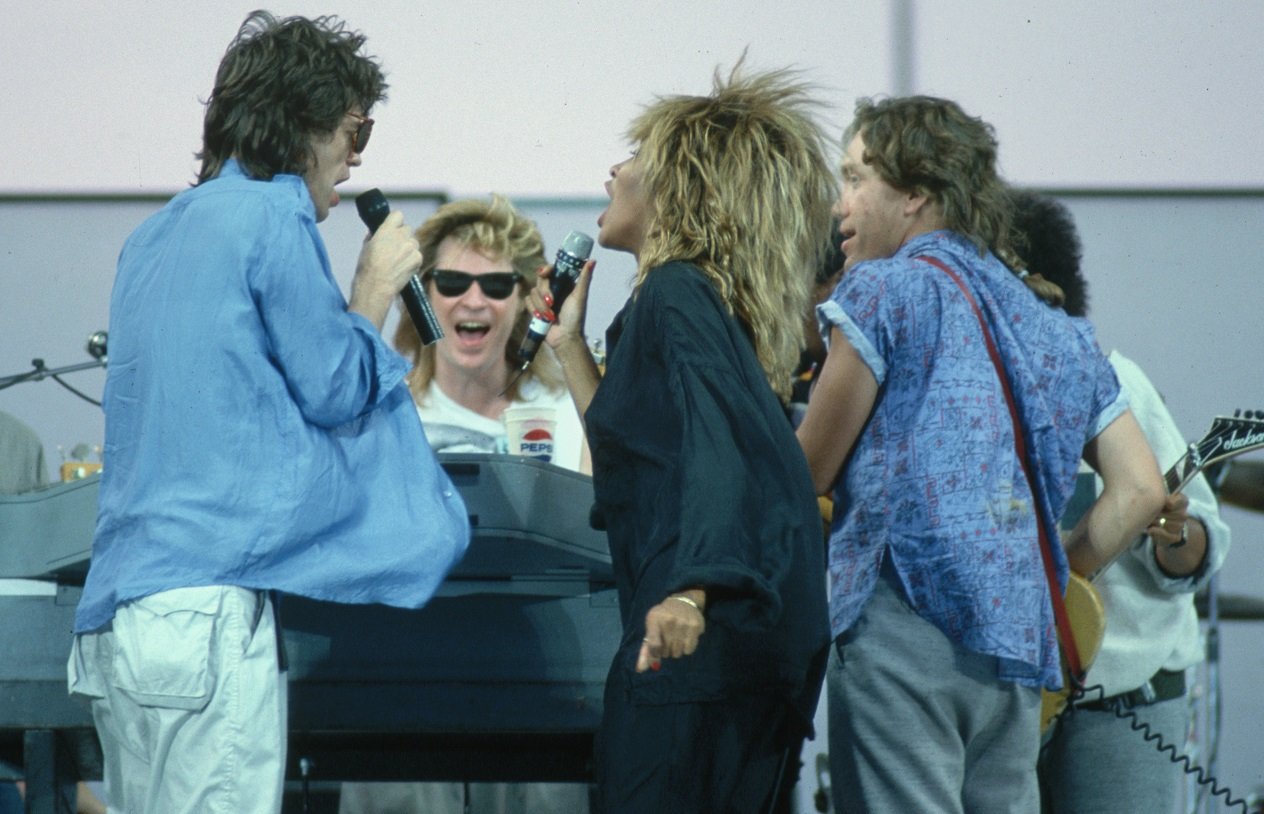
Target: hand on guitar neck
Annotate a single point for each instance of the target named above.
(1227, 438)
(1180, 541)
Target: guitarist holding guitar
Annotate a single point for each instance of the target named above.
(1094, 761)
(948, 422)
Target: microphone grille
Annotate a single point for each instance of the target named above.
(97, 344)
(373, 208)
(578, 244)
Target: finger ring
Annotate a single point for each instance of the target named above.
(1162, 522)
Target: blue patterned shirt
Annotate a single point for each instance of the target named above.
(934, 480)
(257, 433)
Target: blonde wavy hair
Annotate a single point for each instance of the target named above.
(496, 229)
(740, 186)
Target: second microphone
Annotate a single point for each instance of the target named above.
(373, 209)
(566, 268)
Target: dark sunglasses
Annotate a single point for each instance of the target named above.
(496, 284)
(362, 132)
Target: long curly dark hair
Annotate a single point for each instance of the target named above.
(280, 83)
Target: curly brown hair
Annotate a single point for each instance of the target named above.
(930, 146)
(1051, 244)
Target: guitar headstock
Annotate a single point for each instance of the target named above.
(1228, 436)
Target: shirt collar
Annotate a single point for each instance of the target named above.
(232, 169)
(942, 238)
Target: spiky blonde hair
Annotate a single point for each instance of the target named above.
(740, 186)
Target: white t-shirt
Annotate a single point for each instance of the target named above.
(1150, 617)
(450, 427)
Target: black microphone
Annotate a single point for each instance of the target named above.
(566, 268)
(373, 209)
(98, 344)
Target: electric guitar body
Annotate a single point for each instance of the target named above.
(1087, 615)
(1228, 437)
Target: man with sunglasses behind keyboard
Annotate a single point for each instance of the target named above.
(480, 260)
(259, 437)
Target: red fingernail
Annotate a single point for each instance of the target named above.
(655, 665)
(548, 300)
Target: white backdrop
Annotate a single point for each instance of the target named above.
(533, 98)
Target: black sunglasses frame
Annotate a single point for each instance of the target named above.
(451, 283)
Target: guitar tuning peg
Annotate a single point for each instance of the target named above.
(1237, 413)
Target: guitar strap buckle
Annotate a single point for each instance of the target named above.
(1162, 686)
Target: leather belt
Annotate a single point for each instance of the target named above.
(1162, 686)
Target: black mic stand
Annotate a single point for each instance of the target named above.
(41, 371)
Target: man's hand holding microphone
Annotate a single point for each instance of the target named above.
(389, 258)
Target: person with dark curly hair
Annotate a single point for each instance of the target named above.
(1094, 760)
(940, 607)
(259, 435)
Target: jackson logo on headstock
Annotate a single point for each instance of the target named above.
(1234, 441)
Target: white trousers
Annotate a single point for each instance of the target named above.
(189, 702)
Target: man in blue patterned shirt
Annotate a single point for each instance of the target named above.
(258, 435)
(939, 603)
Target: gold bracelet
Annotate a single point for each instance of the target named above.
(688, 601)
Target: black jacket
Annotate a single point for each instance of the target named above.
(701, 481)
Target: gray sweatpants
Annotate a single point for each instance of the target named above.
(919, 723)
(1096, 764)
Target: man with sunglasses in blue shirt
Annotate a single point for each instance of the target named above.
(259, 435)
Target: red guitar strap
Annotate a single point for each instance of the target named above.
(1069, 648)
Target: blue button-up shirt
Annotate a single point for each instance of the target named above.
(257, 433)
(934, 481)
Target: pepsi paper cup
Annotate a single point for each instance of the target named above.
(530, 431)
